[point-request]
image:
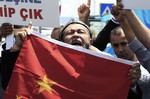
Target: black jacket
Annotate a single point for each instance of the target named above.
(133, 95)
(103, 37)
(7, 63)
(3, 47)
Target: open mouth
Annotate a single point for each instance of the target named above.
(76, 43)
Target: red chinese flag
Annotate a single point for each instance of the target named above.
(46, 70)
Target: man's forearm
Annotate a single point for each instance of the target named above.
(140, 30)
(141, 52)
(103, 37)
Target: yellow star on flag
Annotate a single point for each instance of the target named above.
(18, 97)
(45, 84)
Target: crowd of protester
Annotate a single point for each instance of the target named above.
(128, 36)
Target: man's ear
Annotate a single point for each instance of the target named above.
(91, 41)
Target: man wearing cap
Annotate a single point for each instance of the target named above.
(77, 33)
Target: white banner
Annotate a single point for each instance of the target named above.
(21, 12)
(136, 4)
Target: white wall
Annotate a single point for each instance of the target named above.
(69, 7)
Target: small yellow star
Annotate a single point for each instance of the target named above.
(45, 85)
(18, 97)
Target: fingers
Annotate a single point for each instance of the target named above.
(83, 8)
(118, 0)
(89, 3)
(19, 39)
(120, 4)
(21, 34)
(136, 65)
(134, 77)
(114, 10)
(29, 28)
(135, 73)
(136, 69)
(80, 9)
(30, 25)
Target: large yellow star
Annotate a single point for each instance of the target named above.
(18, 97)
(45, 84)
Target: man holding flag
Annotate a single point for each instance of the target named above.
(63, 76)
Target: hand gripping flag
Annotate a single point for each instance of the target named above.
(48, 70)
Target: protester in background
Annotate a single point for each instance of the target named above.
(141, 52)
(122, 50)
(55, 32)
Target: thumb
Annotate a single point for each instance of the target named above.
(29, 28)
(30, 25)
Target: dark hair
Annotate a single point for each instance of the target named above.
(19, 26)
(73, 22)
(115, 32)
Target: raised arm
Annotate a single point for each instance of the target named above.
(84, 12)
(129, 33)
(140, 30)
(103, 37)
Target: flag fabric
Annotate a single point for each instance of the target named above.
(48, 70)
